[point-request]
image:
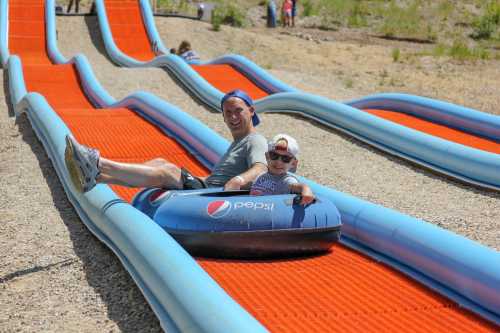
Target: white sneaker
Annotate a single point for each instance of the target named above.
(82, 164)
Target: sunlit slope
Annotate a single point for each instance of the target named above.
(340, 291)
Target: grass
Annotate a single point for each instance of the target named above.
(396, 53)
(173, 6)
(487, 25)
(349, 83)
(402, 21)
(226, 12)
(465, 30)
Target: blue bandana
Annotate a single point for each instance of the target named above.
(245, 98)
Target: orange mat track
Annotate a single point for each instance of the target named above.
(340, 291)
(227, 78)
(440, 131)
(128, 29)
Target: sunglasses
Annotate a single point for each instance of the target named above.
(275, 156)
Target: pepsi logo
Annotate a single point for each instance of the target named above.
(218, 209)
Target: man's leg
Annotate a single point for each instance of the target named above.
(86, 168)
(155, 173)
(70, 4)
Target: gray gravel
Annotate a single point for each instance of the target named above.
(55, 276)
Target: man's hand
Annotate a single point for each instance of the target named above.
(234, 184)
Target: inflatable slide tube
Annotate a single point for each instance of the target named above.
(4, 32)
(430, 252)
(448, 114)
(17, 88)
(469, 271)
(472, 165)
(115, 54)
(149, 22)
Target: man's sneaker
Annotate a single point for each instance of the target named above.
(81, 162)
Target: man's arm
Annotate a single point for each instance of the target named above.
(245, 179)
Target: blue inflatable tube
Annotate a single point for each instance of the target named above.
(459, 268)
(212, 222)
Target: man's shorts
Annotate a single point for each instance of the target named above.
(190, 182)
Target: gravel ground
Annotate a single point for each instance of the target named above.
(55, 276)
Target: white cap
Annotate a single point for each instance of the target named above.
(291, 146)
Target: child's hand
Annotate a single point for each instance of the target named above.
(307, 195)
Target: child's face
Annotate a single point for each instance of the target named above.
(279, 163)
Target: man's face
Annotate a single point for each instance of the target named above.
(238, 117)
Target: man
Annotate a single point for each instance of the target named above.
(238, 168)
(70, 4)
(294, 11)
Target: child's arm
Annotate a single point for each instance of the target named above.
(304, 191)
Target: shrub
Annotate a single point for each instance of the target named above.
(216, 19)
(460, 51)
(396, 54)
(227, 14)
(357, 16)
(401, 21)
(308, 8)
(487, 24)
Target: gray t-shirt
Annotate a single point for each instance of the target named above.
(240, 156)
(267, 184)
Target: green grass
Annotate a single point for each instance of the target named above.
(402, 21)
(396, 53)
(227, 13)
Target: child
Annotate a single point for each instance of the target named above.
(281, 157)
(186, 52)
(287, 12)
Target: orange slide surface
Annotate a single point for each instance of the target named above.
(341, 291)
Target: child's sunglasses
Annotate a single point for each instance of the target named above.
(275, 156)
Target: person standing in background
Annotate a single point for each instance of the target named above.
(271, 14)
(77, 6)
(287, 12)
(294, 11)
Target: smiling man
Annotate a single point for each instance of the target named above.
(241, 164)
